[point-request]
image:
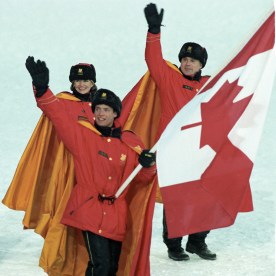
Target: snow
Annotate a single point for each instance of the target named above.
(111, 35)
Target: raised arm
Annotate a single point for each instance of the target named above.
(51, 106)
(153, 53)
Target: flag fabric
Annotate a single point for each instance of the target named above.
(206, 154)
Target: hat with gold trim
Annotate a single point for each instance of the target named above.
(193, 50)
(107, 97)
(82, 71)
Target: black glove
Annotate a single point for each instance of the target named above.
(154, 18)
(147, 159)
(40, 75)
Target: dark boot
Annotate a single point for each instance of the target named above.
(175, 250)
(196, 245)
(178, 254)
(201, 250)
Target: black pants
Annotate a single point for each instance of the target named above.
(175, 243)
(103, 254)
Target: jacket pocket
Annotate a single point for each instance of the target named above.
(83, 203)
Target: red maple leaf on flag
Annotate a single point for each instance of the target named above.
(218, 183)
(220, 114)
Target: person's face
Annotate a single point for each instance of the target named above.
(104, 115)
(83, 86)
(190, 66)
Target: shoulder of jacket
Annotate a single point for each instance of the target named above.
(129, 134)
(132, 140)
(65, 95)
(173, 66)
(84, 121)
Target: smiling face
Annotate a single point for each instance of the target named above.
(104, 115)
(190, 66)
(83, 86)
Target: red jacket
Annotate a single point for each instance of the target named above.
(175, 90)
(101, 166)
(74, 106)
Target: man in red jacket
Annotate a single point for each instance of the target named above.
(176, 86)
(104, 156)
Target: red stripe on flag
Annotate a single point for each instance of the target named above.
(262, 41)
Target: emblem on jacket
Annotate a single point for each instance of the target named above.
(102, 153)
(82, 118)
(138, 149)
(187, 87)
(123, 157)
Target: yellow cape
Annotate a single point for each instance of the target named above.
(41, 187)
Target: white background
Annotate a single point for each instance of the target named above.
(111, 35)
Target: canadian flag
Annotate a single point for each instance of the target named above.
(206, 154)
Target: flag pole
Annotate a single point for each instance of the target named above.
(153, 149)
(132, 175)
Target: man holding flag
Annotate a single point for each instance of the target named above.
(176, 86)
(216, 136)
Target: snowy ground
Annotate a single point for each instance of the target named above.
(111, 35)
